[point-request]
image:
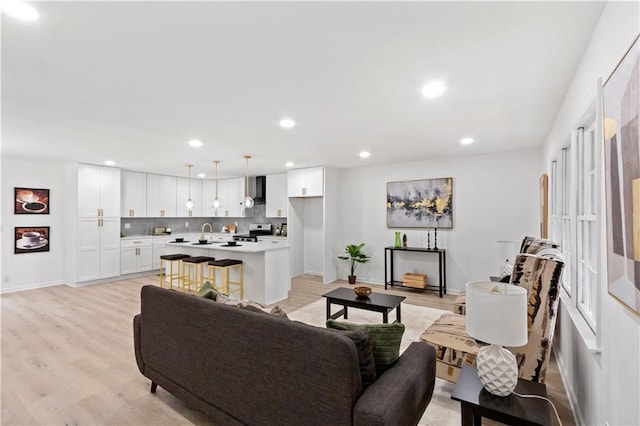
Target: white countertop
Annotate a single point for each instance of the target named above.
(196, 235)
(243, 246)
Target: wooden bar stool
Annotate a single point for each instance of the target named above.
(192, 272)
(225, 265)
(171, 259)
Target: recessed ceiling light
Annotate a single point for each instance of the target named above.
(466, 141)
(201, 175)
(195, 143)
(287, 123)
(433, 89)
(19, 9)
(110, 163)
(365, 154)
(289, 164)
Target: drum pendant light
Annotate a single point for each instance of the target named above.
(216, 204)
(248, 201)
(189, 203)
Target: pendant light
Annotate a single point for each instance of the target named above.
(248, 201)
(216, 204)
(189, 203)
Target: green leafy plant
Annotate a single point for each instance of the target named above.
(355, 255)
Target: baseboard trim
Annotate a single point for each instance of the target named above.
(578, 418)
(30, 287)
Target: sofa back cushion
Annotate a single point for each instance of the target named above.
(256, 368)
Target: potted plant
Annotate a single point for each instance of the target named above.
(355, 255)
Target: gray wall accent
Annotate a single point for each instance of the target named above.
(145, 225)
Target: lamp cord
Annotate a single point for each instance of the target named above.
(546, 399)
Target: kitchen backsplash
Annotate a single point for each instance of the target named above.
(145, 225)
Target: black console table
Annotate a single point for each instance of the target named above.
(442, 268)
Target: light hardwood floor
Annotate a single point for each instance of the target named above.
(67, 356)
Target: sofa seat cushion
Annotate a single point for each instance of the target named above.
(454, 347)
(385, 340)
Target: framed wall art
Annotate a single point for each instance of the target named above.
(31, 239)
(426, 203)
(621, 110)
(544, 206)
(31, 201)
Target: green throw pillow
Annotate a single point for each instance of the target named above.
(385, 340)
(207, 291)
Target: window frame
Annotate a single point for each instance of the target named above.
(576, 172)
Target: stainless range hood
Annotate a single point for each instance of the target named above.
(258, 189)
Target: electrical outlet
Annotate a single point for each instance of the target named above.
(186, 224)
(127, 226)
(6, 278)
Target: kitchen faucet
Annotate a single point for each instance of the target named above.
(203, 226)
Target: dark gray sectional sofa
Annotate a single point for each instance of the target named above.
(243, 367)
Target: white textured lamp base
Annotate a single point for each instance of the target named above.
(497, 370)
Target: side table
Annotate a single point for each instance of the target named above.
(475, 402)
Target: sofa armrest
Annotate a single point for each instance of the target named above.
(401, 394)
(136, 342)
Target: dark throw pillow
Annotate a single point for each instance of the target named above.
(366, 361)
(385, 341)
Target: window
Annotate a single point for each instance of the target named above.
(574, 219)
(586, 235)
(565, 219)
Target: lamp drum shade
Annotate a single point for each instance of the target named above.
(497, 313)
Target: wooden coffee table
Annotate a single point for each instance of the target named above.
(376, 302)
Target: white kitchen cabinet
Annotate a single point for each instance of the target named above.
(136, 256)
(159, 249)
(243, 212)
(98, 248)
(133, 194)
(208, 193)
(229, 197)
(98, 191)
(161, 196)
(276, 195)
(230, 193)
(182, 195)
(305, 182)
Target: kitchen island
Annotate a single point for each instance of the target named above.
(265, 265)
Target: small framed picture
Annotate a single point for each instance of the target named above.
(31, 239)
(31, 201)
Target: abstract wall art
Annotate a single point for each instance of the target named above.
(426, 203)
(621, 99)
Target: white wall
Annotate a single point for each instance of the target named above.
(495, 197)
(31, 270)
(604, 388)
(313, 236)
(332, 219)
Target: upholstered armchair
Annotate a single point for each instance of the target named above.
(541, 276)
(530, 245)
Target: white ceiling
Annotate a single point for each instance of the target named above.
(134, 81)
